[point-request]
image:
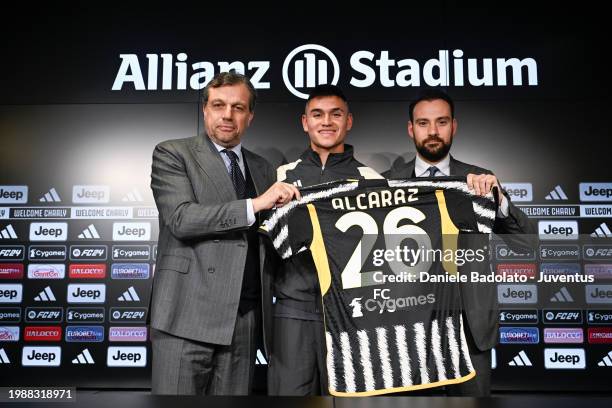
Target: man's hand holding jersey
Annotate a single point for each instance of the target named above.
(277, 195)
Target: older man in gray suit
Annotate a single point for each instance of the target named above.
(211, 283)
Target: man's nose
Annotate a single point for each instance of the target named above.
(227, 112)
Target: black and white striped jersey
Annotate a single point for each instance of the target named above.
(385, 253)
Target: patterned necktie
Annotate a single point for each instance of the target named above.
(432, 171)
(236, 174)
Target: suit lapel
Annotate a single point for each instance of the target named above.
(456, 168)
(212, 164)
(256, 170)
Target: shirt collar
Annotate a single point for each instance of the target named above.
(421, 166)
(236, 149)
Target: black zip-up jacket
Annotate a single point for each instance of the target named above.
(296, 285)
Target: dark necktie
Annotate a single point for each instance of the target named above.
(432, 171)
(236, 174)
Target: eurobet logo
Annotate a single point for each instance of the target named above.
(13, 194)
(86, 293)
(84, 334)
(595, 191)
(131, 231)
(48, 231)
(41, 356)
(90, 194)
(517, 294)
(519, 335)
(519, 192)
(11, 293)
(130, 271)
(558, 230)
(126, 357)
(564, 358)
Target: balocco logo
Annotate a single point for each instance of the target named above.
(308, 66)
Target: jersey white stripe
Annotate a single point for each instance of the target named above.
(453, 346)
(482, 211)
(436, 346)
(419, 341)
(402, 351)
(331, 369)
(347, 362)
(464, 347)
(383, 351)
(366, 360)
(281, 237)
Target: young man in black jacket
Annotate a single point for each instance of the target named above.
(297, 359)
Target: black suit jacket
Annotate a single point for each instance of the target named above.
(480, 300)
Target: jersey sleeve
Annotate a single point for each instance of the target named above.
(289, 229)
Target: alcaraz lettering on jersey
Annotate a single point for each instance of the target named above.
(385, 332)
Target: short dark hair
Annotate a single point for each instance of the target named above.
(326, 90)
(431, 94)
(230, 78)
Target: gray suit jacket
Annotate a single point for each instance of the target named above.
(202, 244)
(480, 300)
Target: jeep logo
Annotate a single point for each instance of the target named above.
(11, 293)
(595, 191)
(126, 357)
(14, 194)
(519, 191)
(41, 356)
(49, 231)
(86, 293)
(131, 231)
(90, 194)
(517, 294)
(557, 230)
(564, 358)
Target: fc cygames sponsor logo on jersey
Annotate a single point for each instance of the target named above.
(13, 194)
(136, 334)
(126, 357)
(87, 271)
(559, 252)
(88, 252)
(131, 253)
(519, 192)
(128, 314)
(84, 334)
(90, 194)
(47, 253)
(48, 231)
(518, 316)
(131, 231)
(595, 191)
(519, 335)
(558, 230)
(11, 293)
(86, 293)
(12, 252)
(44, 314)
(42, 333)
(41, 356)
(564, 358)
(130, 271)
(11, 271)
(85, 315)
(46, 271)
(562, 316)
(517, 294)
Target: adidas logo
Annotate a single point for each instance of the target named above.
(89, 233)
(297, 183)
(129, 295)
(605, 362)
(556, 194)
(8, 232)
(3, 357)
(602, 231)
(45, 296)
(133, 196)
(261, 360)
(50, 197)
(520, 360)
(562, 295)
(83, 358)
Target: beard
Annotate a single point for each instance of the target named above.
(433, 153)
